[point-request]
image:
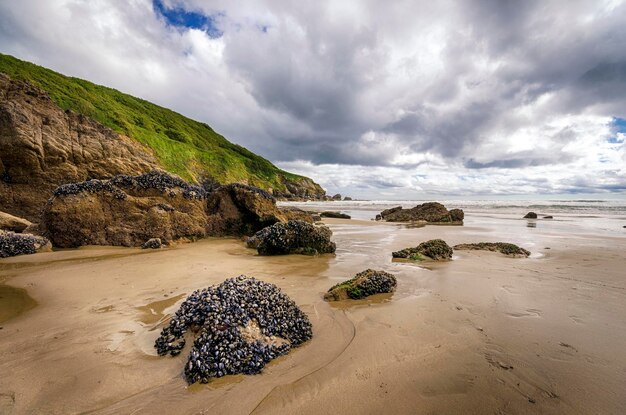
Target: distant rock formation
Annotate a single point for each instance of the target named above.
(336, 215)
(435, 249)
(431, 212)
(293, 237)
(502, 247)
(337, 197)
(347, 198)
(530, 215)
(363, 284)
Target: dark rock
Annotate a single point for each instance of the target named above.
(337, 215)
(239, 325)
(502, 247)
(337, 197)
(316, 218)
(125, 210)
(153, 243)
(431, 212)
(12, 244)
(435, 249)
(379, 217)
(548, 217)
(293, 237)
(13, 223)
(237, 209)
(347, 198)
(530, 215)
(362, 285)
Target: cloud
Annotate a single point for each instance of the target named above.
(476, 97)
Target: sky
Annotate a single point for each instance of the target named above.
(387, 100)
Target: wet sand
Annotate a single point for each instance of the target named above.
(483, 333)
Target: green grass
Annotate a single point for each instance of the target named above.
(183, 146)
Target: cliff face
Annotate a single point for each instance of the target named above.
(42, 147)
(302, 188)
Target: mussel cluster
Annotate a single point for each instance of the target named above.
(12, 244)
(219, 315)
(293, 237)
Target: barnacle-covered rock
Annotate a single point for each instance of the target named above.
(362, 285)
(293, 237)
(240, 325)
(12, 244)
(502, 247)
(436, 249)
(125, 210)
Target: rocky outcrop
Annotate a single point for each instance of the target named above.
(530, 215)
(236, 209)
(294, 213)
(336, 197)
(13, 223)
(336, 215)
(347, 198)
(301, 188)
(293, 237)
(239, 326)
(431, 212)
(502, 247)
(12, 244)
(42, 147)
(363, 284)
(435, 249)
(125, 210)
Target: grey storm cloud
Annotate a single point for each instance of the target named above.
(478, 85)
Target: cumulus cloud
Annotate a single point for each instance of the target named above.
(369, 98)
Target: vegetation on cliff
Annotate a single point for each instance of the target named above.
(188, 148)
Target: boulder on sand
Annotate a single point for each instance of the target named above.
(431, 212)
(152, 243)
(239, 326)
(435, 249)
(13, 223)
(293, 237)
(12, 244)
(530, 215)
(502, 247)
(237, 209)
(362, 285)
(125, 210)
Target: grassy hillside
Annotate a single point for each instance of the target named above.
(185, 147)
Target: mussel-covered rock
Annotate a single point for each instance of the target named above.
(431, 212)
(336, 215)
(362, 285)
(293, 237)
(435, 249)
(12, 244)
(240, 325)
(502, 247)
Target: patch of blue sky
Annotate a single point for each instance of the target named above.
(178, 16)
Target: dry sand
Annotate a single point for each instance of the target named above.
(480, 334)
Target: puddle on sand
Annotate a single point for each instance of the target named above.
(153, 313)
(13, 302)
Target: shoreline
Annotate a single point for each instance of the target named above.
(481, 333)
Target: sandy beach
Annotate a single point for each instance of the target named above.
(482, 333)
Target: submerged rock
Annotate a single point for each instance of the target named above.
(502, 247)
(530, 215)
(293, 237)
(431, 212)
(337, 215)
(125, 210)
(13, 223)
(239, 325)
(435, 249)
(12, 244)
(362, 285)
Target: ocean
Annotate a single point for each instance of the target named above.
(571, 215)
